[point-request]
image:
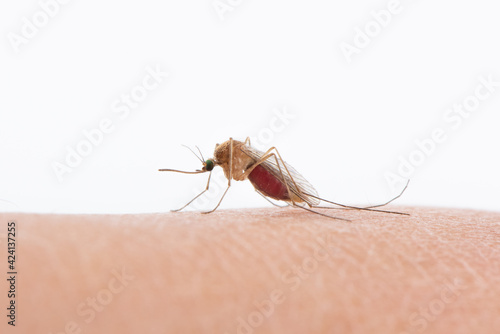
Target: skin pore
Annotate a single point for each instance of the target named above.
(273, 270)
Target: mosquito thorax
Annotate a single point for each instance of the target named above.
(221, 153)
(209, 164)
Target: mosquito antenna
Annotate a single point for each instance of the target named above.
(189, 148)
(202, 158)
(181, 171)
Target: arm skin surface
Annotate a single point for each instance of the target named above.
(256, 271)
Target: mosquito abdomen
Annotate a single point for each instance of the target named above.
(268, 184)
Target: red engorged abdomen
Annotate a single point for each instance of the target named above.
(268, 184)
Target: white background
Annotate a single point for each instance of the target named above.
(352, 120)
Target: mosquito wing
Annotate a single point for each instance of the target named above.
(296, 182)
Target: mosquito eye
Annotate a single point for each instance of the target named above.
(209, 164)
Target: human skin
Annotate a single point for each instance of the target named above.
(273, 270)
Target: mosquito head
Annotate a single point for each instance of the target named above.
(209, 165)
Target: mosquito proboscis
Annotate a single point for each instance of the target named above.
(271, 177)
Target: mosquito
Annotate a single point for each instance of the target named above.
(271, 177)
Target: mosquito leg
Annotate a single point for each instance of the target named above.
(276, 155)
(301, 194)
(347, 207)
(368, 208)
(264, 157)
(296, 187)
(371, 206)
(247, 141)
(205, 212)
(268, 154)
(389, 201)
(353, 207)
(318, 213)
(230, 175)
(191, 201)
